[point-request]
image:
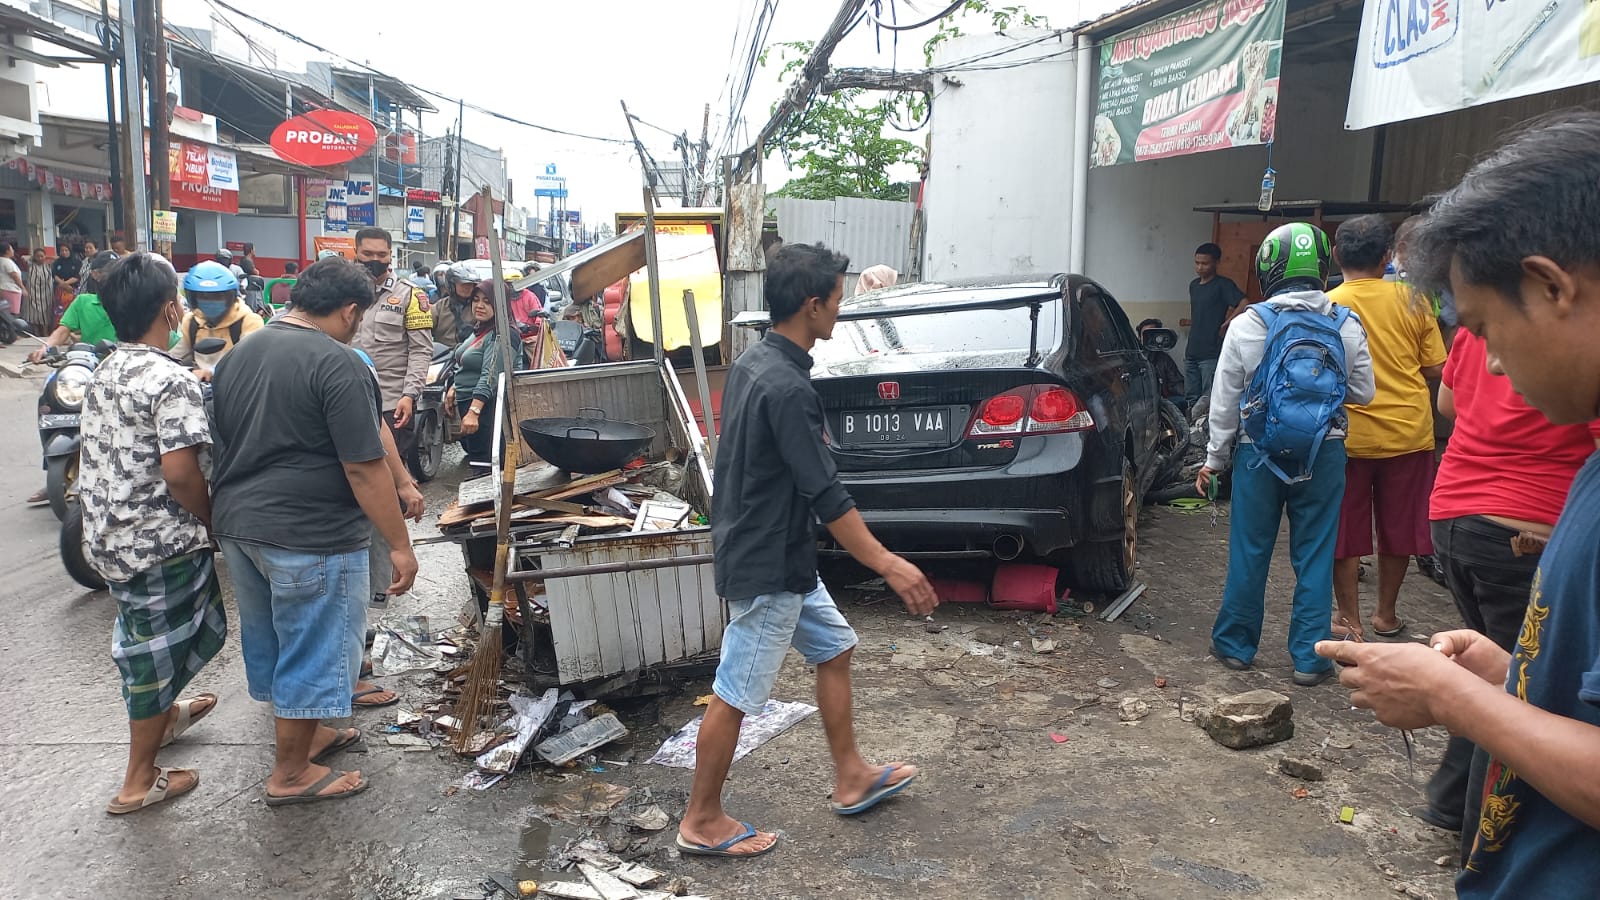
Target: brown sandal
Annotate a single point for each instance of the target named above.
(159, 792)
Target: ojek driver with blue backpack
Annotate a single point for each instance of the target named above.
(1289, 364)
(214, 312)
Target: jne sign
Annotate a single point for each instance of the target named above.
(324, 137)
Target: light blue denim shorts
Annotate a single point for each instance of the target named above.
(302, 624)
(762, 629)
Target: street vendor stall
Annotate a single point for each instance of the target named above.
(607, 576)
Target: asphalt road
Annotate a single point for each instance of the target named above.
(63, 745)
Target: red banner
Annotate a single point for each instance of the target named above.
(204, 197)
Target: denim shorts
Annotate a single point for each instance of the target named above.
(762, 629)
(302, 621)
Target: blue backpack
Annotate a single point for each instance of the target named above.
(1297, 393)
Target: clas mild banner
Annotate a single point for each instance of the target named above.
(1205, 78)
(1422, 57)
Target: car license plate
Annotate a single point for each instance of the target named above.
(895, 427)
(59, 420)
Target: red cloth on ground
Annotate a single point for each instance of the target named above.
(1504, 458)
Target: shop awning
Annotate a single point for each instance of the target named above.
(594, 269)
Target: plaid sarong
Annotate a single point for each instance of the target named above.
(170, 622)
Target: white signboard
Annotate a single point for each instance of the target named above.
(1422, 57)
(416, 224)
(222, 169)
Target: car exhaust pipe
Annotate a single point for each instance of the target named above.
(1007, 547)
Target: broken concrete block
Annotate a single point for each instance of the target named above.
(998, 635)
(1303, 769)
(1251, 719)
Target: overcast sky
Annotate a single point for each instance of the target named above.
(568, 64)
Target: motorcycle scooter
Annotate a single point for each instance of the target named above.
(60, 405)
(433, 421)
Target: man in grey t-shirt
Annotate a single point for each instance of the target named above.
(301, 467)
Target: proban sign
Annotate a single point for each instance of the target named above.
(324, 137)
(1201, 79)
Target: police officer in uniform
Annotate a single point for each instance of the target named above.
(397, 335)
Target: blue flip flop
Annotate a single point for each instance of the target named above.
(881, 790)
(722, 849)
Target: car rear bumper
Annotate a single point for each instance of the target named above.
(1041, 497)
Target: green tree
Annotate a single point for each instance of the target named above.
(838, 142)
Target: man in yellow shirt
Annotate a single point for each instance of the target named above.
(1390, 445)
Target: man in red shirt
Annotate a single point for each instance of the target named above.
(1500, 488)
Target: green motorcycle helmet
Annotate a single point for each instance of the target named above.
(1296, 255)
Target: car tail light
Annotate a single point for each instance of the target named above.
(1000, 415)
(1031, 409)
(1056, 410)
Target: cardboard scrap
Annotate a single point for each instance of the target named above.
(569, 890)
(636, 875)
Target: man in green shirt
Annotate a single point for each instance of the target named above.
(84, 317)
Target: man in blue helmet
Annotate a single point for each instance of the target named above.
(214, 312)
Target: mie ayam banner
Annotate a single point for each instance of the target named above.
(1201, 79)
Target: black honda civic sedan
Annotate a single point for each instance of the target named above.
(1006, 418)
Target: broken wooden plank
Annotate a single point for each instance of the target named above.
(1121, 604)
(609, 886)
(579, 486)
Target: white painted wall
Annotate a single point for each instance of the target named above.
(1000, 179)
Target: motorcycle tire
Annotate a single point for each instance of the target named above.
(61, 484)
(72, 556)
(427, 454)
(8, 330)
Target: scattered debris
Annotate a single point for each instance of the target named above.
(404, 645)
(527, 888)
(1121, 604)
(1108, 683)
(409, 741)
(1160, 682)
(637, 875)
(933, 627)
(775, 718)
(1340, 741)
(529, 716)
(1303, 769)
(1347, 815)
(479, 781)
(1251, 719)
(590, 798)
(998, 635)
(649, 818)
(591, 735)
(1132, 709)
(704, 700)
(661, 515)
(1300, 793)
(1059, 738)
(609, 886)
(1444, 862)
(569, 890)
(1044, 646)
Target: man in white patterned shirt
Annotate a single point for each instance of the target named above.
(146, 521)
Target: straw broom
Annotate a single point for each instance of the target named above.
(482, 686)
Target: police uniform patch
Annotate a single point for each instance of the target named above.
(417, 316)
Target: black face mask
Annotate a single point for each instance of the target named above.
(376, 267)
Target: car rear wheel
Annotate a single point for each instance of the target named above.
(1108, 565)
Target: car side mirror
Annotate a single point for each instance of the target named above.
(1159, 339)
(210, 345)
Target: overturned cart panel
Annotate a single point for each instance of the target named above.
(625, 602)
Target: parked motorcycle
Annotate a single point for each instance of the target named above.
(432, 419)
(583, 346)
(12, 326)
(60, 405)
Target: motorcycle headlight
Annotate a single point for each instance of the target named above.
(70, 385)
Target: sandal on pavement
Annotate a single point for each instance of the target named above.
(881, 790)
(723, 849)
(313, 793)
(355, 699)
(159, 792)
(37, 498)
(187, 716)
(1399, 626)
(351, 741)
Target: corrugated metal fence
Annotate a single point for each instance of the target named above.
(870, 232)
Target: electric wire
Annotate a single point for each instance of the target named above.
(923, 24)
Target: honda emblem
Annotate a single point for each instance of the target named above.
(888, 390)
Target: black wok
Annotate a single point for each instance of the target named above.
(586, 444)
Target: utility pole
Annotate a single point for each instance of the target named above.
(137, 199)
(377, 150)
(160, 131)
(455, 223)
(113, 139)
(700, 157)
